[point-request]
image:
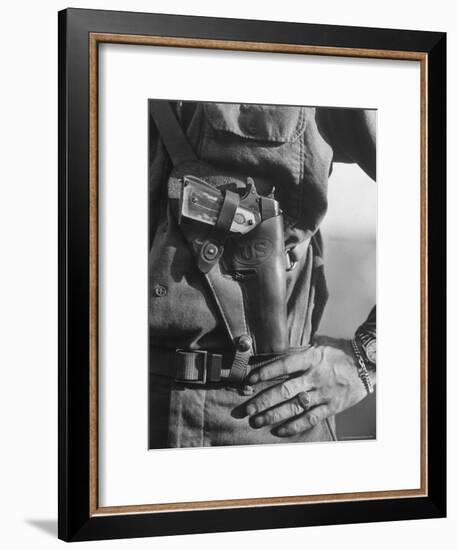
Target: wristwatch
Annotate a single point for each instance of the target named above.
(368, 345)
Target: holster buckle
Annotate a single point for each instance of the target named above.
(197, 367)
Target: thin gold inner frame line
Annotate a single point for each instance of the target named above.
(94, 40)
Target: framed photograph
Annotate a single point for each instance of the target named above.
(251, 274)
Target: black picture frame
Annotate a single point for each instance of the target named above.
(76, 519)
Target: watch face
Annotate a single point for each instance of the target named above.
(371, 351)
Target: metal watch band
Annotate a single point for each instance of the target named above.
(361, 366)
(366, 340)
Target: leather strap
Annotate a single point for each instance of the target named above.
(239, 368)
(226, 215)
(213, 247)
(229, 300)
(173, 136)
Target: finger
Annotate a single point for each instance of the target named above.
(304, 422)
(284, 411)
(275, 395)
(285, 365)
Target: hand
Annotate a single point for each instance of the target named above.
(326, 371)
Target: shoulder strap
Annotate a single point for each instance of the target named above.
(173, 136)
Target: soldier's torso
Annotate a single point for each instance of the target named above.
(278, 147)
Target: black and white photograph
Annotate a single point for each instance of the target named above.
(262, 274)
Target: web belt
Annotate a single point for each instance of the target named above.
(202, 367)
(198, 366)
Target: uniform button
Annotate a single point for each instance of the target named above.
(159, 291)
(210, 251)
(244, 343)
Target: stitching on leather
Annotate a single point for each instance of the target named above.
(244, 296)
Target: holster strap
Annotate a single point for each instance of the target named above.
(226, 216)
(239, 368)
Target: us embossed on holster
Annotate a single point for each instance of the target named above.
(257, 261)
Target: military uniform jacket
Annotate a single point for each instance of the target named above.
(285, 152)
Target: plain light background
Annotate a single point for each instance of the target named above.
(28, 277)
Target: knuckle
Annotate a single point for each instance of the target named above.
(263, 401)
(315, 376)
(313, 356)
(273, 417)
(287, 390)
(264, 374)
(324, 394)
(312, 419)
(273, 370)
(296, 427)
(260, 403)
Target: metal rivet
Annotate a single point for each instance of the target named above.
(210, 251)
(244, 343)
(159, 291)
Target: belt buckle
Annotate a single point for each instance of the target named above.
(203, 378)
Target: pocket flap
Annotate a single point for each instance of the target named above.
(271, 123)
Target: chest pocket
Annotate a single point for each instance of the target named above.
(267, 123)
